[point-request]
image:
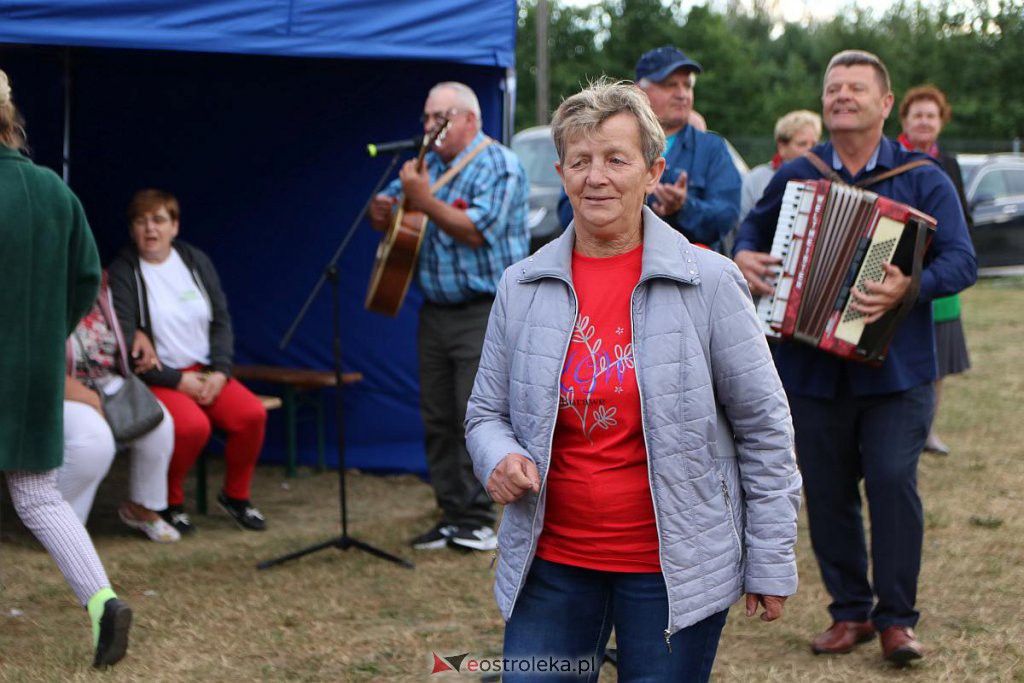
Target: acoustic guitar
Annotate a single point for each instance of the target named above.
(399, 248)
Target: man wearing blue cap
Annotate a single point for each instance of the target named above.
(700, 190)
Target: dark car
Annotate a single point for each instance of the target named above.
(536, 150)
(994, 185)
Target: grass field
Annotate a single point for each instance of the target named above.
(203, 613)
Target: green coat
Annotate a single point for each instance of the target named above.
(49, 276)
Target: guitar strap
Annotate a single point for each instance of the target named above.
(454, 170)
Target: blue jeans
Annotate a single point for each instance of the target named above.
(565, 614)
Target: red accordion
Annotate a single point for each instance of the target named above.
(832, 237)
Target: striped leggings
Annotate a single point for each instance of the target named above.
(48, 516)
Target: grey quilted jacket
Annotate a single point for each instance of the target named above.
(717, 428)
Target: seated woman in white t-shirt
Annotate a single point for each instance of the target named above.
(97, 358)
(169, 290)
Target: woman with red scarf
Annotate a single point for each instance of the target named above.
(923, 112)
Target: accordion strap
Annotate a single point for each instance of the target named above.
(827, 171)
(868, 182)
(823, 168)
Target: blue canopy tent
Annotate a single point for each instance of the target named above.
(256, 113)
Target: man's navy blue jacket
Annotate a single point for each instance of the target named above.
(950, 266)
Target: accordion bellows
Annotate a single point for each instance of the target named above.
(832, 238)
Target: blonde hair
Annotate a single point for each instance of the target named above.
(792, 123)
(12, 126)
(584, 112)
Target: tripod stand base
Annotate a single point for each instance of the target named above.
(343, 542)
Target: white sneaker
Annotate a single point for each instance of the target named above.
(158, 530)
(434, 539)
(474, 537)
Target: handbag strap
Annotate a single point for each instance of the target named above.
(89, 362)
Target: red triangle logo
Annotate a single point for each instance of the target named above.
(440, 665)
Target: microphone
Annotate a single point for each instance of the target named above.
(394, 146)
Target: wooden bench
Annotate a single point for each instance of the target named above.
(299, 387)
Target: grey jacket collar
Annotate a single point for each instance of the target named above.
(666, 254)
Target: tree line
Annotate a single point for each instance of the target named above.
(757, 68)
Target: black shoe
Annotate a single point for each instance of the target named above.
(243, 512)
(114, 625)
(434, 539)
(474, 537)
(176, 516)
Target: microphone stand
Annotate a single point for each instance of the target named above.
(330, 274)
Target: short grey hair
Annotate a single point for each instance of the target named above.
(463, 93)
(584, 112)
(861, 58)
(794, 122)
(645, 83)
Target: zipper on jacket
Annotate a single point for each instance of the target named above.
(728, 510)
(551, 443)
(494, 556)
(647, 451)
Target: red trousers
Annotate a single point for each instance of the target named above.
(238, 413)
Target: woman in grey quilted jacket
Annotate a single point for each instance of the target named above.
(628, 414)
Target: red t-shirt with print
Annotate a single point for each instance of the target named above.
(599, 512)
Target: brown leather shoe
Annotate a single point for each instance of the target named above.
(899, 645)
(843, 636)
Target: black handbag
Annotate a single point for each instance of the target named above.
(131, 409)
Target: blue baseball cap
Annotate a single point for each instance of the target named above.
(658, 64)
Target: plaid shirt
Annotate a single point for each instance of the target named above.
(494, 192)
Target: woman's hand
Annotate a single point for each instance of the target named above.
(512, 478)
(772, 605)
(191, 384)
(144, 354)
(77, 391)
(212, 385)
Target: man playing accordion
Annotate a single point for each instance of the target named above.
(853, 420)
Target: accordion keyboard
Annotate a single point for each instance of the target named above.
(786, 246)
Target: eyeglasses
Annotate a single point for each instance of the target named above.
(428, 116)
(157, 219)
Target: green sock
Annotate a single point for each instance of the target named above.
(95, 607)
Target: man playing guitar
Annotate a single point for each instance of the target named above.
(476, 228)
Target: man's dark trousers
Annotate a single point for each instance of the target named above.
(450, 340)
(879, 439)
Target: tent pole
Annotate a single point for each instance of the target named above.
(509, 117)
(66, 152)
